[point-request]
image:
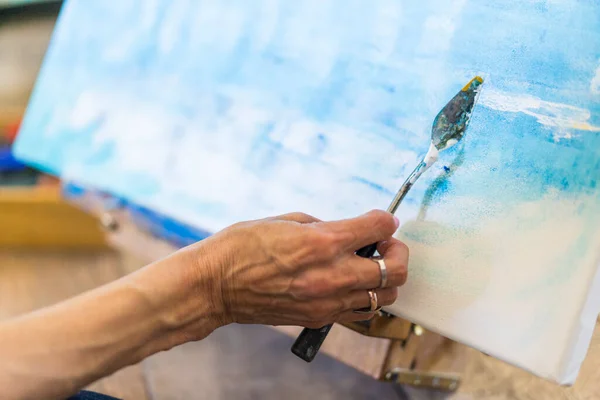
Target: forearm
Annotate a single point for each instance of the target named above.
(55, 351)
(60, 349)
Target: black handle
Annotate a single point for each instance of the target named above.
(367, 251)
(309, 341)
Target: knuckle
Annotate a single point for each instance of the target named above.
(303, 216)
(380, 217)
(403, 249)
(300, 216)
(378, 214)
(345, 236)
(324, 287)
(327, 284)
(236, 226)
(312, 246)
(327, 244)
(311, 288)
(383, 222)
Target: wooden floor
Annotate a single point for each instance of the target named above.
(31, 280)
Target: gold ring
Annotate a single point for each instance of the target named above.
(373, 304)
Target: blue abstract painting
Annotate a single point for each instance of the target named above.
(212, 112)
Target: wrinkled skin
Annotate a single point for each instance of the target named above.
(297, 270)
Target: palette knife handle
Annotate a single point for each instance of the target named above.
(309, 341)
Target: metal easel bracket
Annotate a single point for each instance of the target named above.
(424, 359)
(432, 380)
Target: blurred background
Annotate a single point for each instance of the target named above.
(25, 30)
(51, 249)
(32, 211)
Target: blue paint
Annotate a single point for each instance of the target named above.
(389, 88)
(319, 144)
(326, 67)
(8, 162)
(72, 190)
(154, 223)
(372, 184)
(388, 119)
(169, 229)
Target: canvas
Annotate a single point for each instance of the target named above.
(214, 112)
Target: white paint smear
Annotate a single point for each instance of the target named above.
(172, 145)
(432, 155)
(553, 115)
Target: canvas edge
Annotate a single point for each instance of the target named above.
(588, 316)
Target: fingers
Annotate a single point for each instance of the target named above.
(383, 246)
(367, 273)
(368, 228)
(353, 273)
(395, 255)
(361, 299)
(326, 311)
(307, 271)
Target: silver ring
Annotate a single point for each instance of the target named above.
(383, 271)
(373, 304)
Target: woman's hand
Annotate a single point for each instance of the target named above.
(297, 270)
(287, 270)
